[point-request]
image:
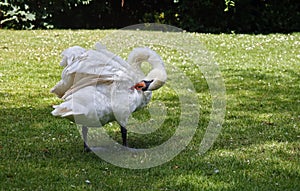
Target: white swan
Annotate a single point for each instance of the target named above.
(99, 87)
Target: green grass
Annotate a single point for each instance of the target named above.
(258, 148)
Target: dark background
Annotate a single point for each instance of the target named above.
(213, 16)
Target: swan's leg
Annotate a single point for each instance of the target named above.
(84, 135)
(124, 135)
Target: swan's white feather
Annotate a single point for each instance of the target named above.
(96, 85)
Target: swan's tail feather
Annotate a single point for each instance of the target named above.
(79, 107)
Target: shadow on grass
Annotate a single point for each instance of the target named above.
(261, 107)
(37, 147)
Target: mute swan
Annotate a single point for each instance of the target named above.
(98, 87)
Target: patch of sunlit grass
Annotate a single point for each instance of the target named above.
(258, 148)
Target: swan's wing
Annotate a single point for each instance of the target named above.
(95, 86)
(99, 65)
(70, 54)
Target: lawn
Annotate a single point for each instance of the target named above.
(258, 147)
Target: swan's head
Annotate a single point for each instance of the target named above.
(142, 85)
(154, 80)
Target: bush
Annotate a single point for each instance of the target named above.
(14, 16)
(28, 14)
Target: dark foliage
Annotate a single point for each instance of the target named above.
(247, 16)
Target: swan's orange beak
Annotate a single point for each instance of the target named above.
(139, 86)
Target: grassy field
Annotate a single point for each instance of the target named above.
(258, 148)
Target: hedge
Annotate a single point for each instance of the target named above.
(214, 16)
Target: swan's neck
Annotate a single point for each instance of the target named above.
(158, 72)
